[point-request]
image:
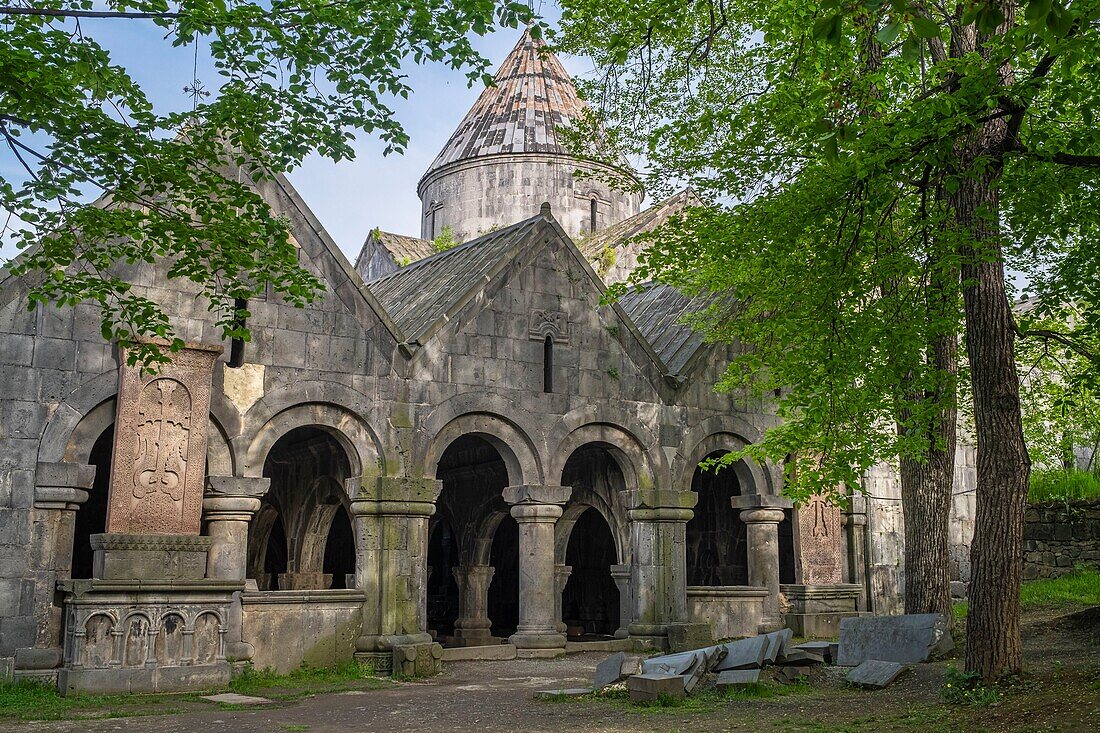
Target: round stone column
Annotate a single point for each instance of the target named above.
(228, 505)
(473, 624)
(561, 577)
(536, 508)
(762, 525)
(658, 571)
(621, 575)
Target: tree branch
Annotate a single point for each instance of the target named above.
(54, 13)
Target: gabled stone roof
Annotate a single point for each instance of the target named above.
(644, 221)
(423, 294)
(657, 310)
(532, 96)
(405, 250)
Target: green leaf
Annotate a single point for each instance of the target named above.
(925, 27)
(828, 28)
(888, 33)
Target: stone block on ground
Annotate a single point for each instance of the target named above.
(735, 678)
(417, 660)
(875, 674)
(799, 658)
(824, 649)
(671, 663)
(687, 636)
(744, 654)
(789, 675)
(906, 639)
(567, 692)
(777, 643)
(232, 698)
(648, 687)
(610, 670)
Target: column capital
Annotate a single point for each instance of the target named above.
(762, 515)
(62, 485)
(669, 505)
(761, 501)
(396, 495)
(236, 486)
(536, 494)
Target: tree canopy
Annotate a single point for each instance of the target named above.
(103, 177)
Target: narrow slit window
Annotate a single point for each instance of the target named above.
(236, 346)
(592, 214)
(431, 224)
(548, 365)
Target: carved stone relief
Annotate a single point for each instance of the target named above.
(820, 541)
(160, 445)
(543, 323)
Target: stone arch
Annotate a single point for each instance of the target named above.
(725, 433)
(359, 441)
(510, 441)
(633, 444)
(329, 497)
(325, 404)
(258, 535)
(482, 537)
(581, 501)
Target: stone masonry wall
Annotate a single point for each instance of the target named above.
(1060, 536)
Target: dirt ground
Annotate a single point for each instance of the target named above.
(1060, 692)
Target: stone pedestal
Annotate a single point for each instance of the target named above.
(561, 577)
(536, 508)
(390, 519)
(60, 489)
(473, 624)
(139, 556)
(658, 522)
(228, 507)
(621, 575)
(816, 610)
(762, 518)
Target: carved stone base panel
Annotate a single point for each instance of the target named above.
(152, 556)
(380, 662)
(815, 610)
(145, 635)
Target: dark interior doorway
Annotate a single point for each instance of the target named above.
(717, 549)
(91, 517)
(590, 600)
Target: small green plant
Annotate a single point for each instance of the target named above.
(613, 330)
(966, 688)
(606, 260)
(613, 372)
(446, 240)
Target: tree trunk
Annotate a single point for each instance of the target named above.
(926, 498)
(993, 646)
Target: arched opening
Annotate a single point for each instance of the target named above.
(717, 548)
(91, 518)
(590, 600)
(474, 474)
(786, 548)
(548, 365)
(443, 556)
(301, 539)
(339, 560)
(504, 589)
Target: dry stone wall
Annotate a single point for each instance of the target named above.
(1060, 536)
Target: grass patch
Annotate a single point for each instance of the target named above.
(307, 680)
(27, 700)
(1063, 486)
(1080, 588)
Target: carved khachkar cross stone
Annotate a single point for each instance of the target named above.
(160, 445)
(820, 541)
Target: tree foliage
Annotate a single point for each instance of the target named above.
(105, 178)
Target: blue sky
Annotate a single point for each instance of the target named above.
(352, 197)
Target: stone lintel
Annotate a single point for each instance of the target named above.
(536, 494)
(393, 490)
(243, 486)
(761, 501)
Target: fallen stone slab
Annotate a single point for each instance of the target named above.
(824, 649)
(777, 643)
(672, 663)
(876, 673)
(907, 639)
(609, 671)
(799, 658)
(694, 675)
(232, 698)
(648, 687)
(744, 654)
(789, 675)
(736, 678)
(567, 692)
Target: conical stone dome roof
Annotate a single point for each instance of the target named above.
(533, 96)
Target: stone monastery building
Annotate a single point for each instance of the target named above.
(462, 447)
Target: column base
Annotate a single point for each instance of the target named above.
(525, 640)
(473, 637)
(769, 624)
(380, 662)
